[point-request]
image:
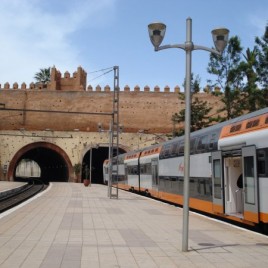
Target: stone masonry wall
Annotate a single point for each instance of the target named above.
(139, 110)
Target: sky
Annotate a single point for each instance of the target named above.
(99, 34)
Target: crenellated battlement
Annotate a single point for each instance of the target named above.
(67, 82)
(137, 88)
(78, 81)
(98, 88)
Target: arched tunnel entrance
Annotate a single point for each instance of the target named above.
(52, 160)
(98, 156)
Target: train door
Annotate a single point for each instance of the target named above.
(217, 182)
(155, 177)
(250, 184)
(233, 184)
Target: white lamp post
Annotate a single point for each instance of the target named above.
(220, 37)
(92, 146)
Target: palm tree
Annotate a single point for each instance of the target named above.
(43, 76)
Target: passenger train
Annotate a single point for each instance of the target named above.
(228, 170)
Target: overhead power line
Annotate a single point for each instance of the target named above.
(100, 75)
(101, 70)
(104, 70)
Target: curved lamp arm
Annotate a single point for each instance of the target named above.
(197, 47)
(183, 46)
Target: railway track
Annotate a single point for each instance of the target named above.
(17, 198)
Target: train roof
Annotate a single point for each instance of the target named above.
(219, 126)
(211, 129)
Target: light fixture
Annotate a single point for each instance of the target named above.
(157, 33)
(220, 38)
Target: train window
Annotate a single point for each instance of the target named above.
(142, 171)
(252, 123)
(217, 179)
(178, 148)
(145, 168)
(262, 162)
(255, 123)
(266, 120)
(135, 170)
(202, 144)
(132, 170)
(213, 141)
(235, 128)
(181, 149)
(174, 149)
(121, 160)
(249, 180)
(192, 145)
(165, 151)
(249, 124)
(148, 168)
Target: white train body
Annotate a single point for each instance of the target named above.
(228, 169)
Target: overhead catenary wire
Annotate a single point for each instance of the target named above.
(101, 70)
(110, 69)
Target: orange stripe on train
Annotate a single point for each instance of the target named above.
(245, 126)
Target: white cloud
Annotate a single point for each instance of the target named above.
(37, 34)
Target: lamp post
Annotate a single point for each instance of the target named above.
(220, 37)
(92, 146)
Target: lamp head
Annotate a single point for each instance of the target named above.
(156, 32)
(220, 38)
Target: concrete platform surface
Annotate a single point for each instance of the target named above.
(10, 185)
(70, 225)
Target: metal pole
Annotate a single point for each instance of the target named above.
(90, 165)
(220, 37)
(188, 49)
(110, 160)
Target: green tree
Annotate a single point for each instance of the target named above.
(199, 116)
(254, 70)
(43, 76)
(262, 59)
(199, 109)
(262, 65)
(229, 79)
(253, 96)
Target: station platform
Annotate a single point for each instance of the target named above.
(10, 186)
(70, 225)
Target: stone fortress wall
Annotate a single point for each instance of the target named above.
(144, 109)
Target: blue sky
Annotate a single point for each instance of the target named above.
(97, 34)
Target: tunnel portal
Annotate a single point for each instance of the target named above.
(98, 156)
(52, 160)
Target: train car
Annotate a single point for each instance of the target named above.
(240, 169)
(120, 178)
(148, 170)
(132, 170)
(228, 170)
(119, 170)
(171, 169)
